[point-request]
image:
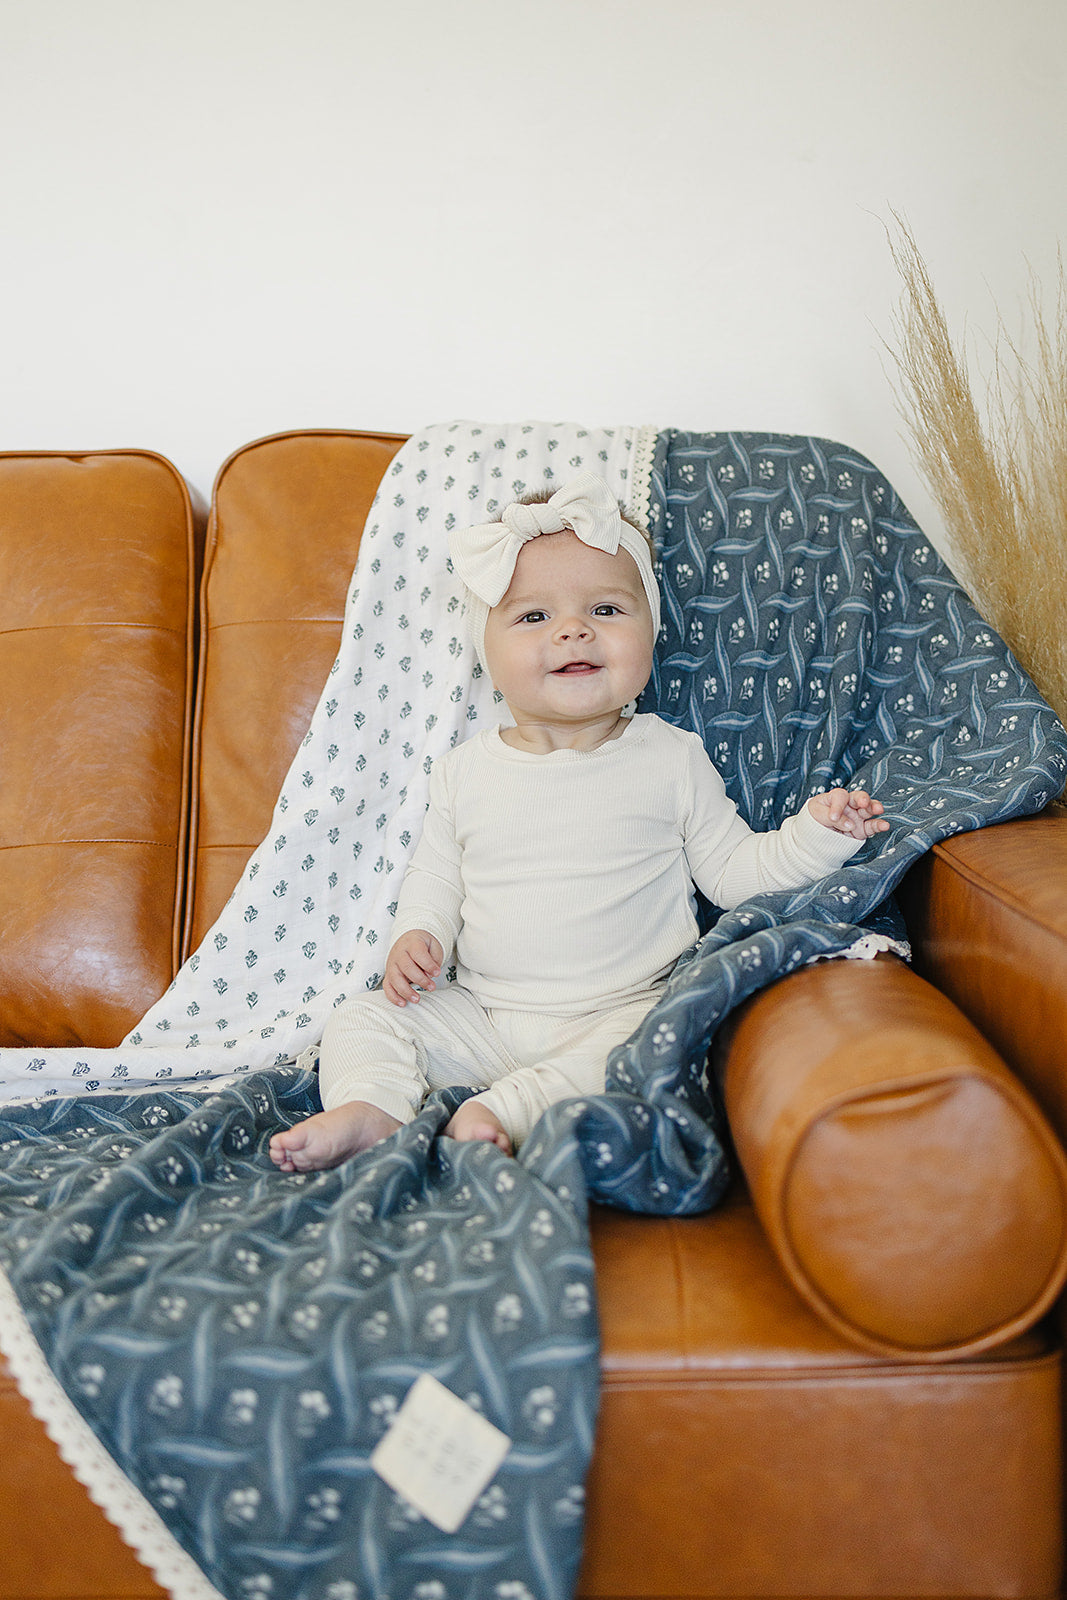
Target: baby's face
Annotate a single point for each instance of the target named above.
(571, 641)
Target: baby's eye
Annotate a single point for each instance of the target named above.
(533, 616)
(606, 610)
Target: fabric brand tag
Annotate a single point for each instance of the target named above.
(439, 1453)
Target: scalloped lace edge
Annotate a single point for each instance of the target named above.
(641, 484)
(866, 948)
(108, 1486)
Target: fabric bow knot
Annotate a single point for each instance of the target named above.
(484, 556)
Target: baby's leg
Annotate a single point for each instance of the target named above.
(474, 1120)
(369, 1082)
(330, 1137)
(563, 1059)
(377, 1062)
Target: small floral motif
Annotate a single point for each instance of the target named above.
(384, 1408)
(541, 1225)
(242, 1505)
(576, 1300)
(170, 1308)
(306, 1319)
(375, 1327)
(507, 1313)
(166, 1395)
(167, 1491)
(241, 1407)
(324, 1506)
(90, 1379)
(313, 1408)
(570, 1507)
(540, 1408)
(436, 1324)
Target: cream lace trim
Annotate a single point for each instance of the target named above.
(122, 1503)
(640, 506)
(866, 948)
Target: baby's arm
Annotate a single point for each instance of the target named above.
(731, 863)
(850, 811)
(412, 964)
(428, 906)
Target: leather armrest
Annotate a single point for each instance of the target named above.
(912, 1190)
(987, 916)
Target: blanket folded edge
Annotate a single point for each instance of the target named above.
(99, 1474)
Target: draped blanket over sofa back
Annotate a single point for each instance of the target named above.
(217, 1347)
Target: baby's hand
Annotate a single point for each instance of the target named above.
(848, 811)
(413, 963)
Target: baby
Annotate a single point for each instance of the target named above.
(558, 856)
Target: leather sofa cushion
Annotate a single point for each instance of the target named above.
(286, 521)
(912, 1190)
(99, 560)
(743, 1448)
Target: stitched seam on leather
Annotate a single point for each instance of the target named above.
(882, 1369)
(276, 622)
(61, 844)
(97, 627)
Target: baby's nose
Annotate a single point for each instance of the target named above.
(575, 628)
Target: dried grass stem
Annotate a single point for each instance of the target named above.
(1001, 485)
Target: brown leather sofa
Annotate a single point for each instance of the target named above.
(843, 1382)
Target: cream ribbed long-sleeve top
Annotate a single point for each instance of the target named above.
(564, 882)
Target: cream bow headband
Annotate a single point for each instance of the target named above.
(484, 556)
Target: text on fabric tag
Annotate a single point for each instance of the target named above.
(439, 1453)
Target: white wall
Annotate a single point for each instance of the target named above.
(221, 218)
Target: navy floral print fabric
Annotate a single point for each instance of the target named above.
(813, 637)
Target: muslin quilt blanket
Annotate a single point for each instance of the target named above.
(219, 1349)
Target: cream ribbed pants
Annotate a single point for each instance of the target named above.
(393, 1056)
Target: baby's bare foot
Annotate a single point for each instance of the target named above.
(331, 1137)
(474, 1121)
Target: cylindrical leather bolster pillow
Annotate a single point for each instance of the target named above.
(913, 1191)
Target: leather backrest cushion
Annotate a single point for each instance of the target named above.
(286, 519)
(913, 1191)
(99, 557)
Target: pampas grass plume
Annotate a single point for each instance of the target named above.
(1001, 484)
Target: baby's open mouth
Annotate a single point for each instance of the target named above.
(576, 666)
